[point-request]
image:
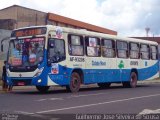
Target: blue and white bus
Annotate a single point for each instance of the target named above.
(48, 55)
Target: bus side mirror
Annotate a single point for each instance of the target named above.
(1, 47)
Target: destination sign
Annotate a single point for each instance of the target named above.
(29, 32)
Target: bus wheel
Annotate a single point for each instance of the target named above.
(75, 82)
(42, 89)
(133, 81)
(104, 85)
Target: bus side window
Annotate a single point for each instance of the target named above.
(134, 50)
(122, 49)
(154, 52)
(93, 47)
(108, 48)
(144, 50)
(75, 45)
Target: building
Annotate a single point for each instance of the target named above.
(58, 20)
(16, 16)
(21, 16)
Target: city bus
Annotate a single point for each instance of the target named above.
(45, 56)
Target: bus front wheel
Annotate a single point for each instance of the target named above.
(75, 83)
(133, 81)
(42, 89)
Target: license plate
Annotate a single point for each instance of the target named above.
(21, 83)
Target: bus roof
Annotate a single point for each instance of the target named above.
(93, 34)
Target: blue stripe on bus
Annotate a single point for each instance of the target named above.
(148, 72)
(104, 75)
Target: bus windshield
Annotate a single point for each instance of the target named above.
(26, 52)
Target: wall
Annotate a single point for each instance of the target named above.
(9, 13)
(28, 17)
(4, 34)
(24, 17)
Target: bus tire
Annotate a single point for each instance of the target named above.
(75, 83)
(133, 81)
(104, 85)
(42, 89)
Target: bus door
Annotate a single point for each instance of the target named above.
(56, 54)
(93, 73)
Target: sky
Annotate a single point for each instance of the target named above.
(127, 17)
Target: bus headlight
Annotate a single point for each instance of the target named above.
(39, 72)
(39, 80)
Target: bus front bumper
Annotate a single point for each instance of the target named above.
(25, 81)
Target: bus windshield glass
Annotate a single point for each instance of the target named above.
(26, 52)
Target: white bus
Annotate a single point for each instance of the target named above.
(50, 55)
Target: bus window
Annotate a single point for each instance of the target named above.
(108, 48)
(122, 49)
(56, 50)
(76, 46)
(93, 47)
(134, 50)
(154, 55)
(144, 51)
